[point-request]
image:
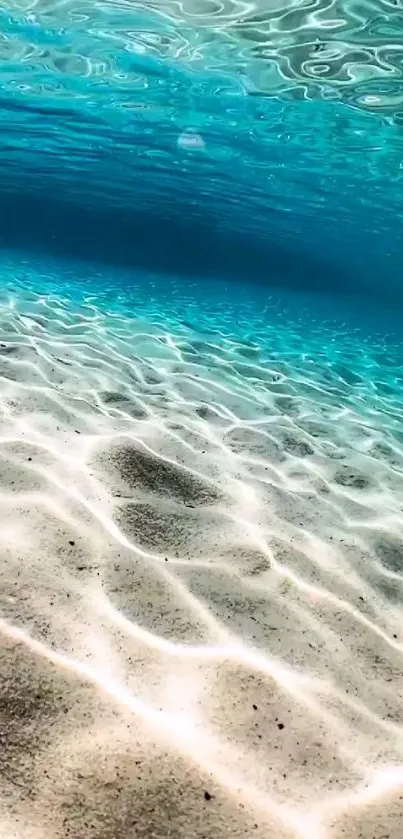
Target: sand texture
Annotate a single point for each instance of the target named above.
(201, 578)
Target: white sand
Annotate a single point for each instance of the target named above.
(201, 585)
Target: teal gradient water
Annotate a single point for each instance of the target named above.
(254, 140)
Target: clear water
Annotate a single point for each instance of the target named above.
(201, 422)
(257, 140)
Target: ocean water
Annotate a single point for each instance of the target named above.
(201, 419)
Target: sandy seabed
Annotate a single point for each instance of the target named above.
(201, 560)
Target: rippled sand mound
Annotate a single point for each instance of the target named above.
(201, 575)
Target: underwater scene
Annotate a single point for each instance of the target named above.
(201, 419)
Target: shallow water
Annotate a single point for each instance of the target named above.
(201, 427)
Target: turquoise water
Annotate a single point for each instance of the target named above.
(201, 421)
(263, 142)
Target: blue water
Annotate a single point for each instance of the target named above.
(201, 421)
(294, 179)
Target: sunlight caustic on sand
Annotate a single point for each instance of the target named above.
(201, 579)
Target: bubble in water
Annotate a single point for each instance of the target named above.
(191, 140)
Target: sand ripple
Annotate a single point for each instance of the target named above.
(201, 575)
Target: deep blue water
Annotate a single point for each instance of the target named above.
(257, 144)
